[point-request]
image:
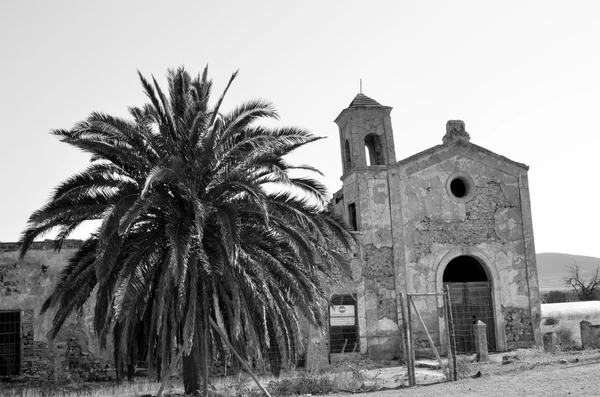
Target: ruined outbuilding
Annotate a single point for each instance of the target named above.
(453, 217)
(26, 351)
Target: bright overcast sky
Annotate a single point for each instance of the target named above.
(523, 75)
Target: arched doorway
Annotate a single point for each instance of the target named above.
(471, 298)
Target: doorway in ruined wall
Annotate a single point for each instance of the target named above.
(471, 299)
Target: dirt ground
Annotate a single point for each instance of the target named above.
(572, 379)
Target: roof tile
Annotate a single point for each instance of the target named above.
(361, 100)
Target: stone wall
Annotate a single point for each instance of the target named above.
(590, 335)
(518, 327)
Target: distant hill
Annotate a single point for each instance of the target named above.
(552, 269)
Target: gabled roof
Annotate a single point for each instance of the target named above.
(435, 154)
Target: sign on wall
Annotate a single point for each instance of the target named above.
(341, 315)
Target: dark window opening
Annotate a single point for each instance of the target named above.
(343, 325)
(459, 187)
(10, 343)
(373, 150)
(464, 269)
(348, 158)
(352, 216)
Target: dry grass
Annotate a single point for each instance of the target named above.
(87, 390)
(344, 377)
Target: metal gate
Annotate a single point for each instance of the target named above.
(471, 302)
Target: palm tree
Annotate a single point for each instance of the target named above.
(202, 223)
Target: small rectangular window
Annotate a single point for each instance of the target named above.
(343, 325)
(352, 216)
(10, 343)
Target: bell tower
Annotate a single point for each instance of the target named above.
(366, 135)
(368, 154)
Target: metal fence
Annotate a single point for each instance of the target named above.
(471, 302)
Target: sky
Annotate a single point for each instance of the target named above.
(523, 75)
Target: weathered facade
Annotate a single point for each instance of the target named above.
(26, 352)
(454, 217)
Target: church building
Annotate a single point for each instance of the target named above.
(455, 217)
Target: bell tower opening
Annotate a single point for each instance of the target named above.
(373, 150)
(347, 156)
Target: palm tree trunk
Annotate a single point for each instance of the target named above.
(195, 365)
(206, 329)
(131, 364)
(191, 370)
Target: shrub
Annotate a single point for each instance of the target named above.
(556, 297)
(551, 321)
(463, 367)
(301, 385)
(565, 338)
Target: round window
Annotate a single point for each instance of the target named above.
(460, 186)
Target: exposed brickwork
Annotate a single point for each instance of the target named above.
(80, 363)
(67, 360)
(379, 277)
(518, 327)
(478, 227)
(10, 282)
(36, 358)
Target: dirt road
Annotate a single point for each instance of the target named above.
(555, 380)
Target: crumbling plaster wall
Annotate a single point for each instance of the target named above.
(494, 224)
(24, 286)
(376, 290)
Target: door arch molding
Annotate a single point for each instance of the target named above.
(488, 264)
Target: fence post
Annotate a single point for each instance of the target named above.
(480, 330)
(407, 344)
(452, 335)
(411, 342)
(446, 307)
(550, 342)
